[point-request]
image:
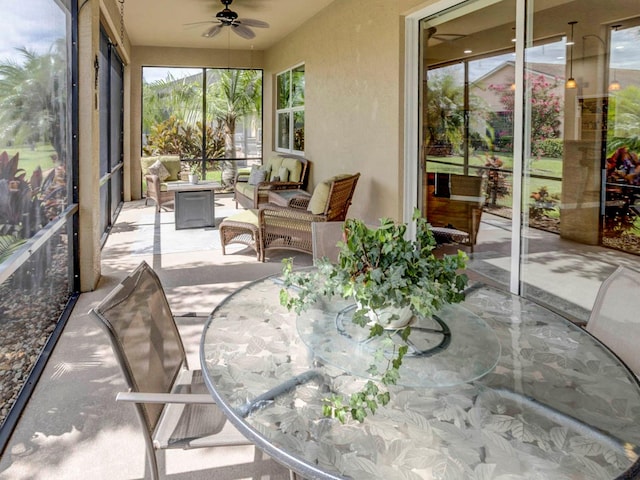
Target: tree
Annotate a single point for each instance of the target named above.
(545, 107)
(180, 98)
(624, 120)
(236, 93)
(33, 99)
(444, 122)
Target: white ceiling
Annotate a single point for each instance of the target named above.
(162, 22)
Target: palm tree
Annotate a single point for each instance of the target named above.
(444, 111)
(624, 117)
(172, 97)
(33, 98)
(237, 93)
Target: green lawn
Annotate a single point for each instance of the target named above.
(548, 167)
(29, 159)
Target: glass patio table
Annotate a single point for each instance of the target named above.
(515, 391)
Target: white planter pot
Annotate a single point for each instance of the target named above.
(383, 316)
(193, 178)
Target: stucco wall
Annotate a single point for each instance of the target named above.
(353, 53)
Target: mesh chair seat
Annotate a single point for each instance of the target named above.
(614, 318)
(194, 425)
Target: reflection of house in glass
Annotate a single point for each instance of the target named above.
(488, 89)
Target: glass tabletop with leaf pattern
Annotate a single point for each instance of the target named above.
(519, 393)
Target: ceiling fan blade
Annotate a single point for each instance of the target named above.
(213, 31)
(199, 23)
(250, 22)
(244, 32)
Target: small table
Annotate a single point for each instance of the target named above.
(284, 197)
(549, 401)
(194, 204)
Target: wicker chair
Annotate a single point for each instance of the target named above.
(289, 228)
(156, 188)
(252, 196)
(454, 208)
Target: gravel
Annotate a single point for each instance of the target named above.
(27, 319)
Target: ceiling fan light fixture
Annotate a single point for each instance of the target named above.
(228, 18)
(571, 82)
(614, 86)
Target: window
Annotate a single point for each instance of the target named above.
(290, 111)
(38, 269)
(175, 102)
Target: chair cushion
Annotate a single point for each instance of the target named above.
(257, 175)
(283, 173)
(171, 162)
(319, 197)
(246, 216)
(245, 189)
(295, 168)
(160, 170)
(273, 166)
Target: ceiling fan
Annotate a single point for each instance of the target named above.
(228, 18)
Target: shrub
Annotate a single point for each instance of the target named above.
(551, 147)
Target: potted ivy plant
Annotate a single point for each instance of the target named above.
(384, 273)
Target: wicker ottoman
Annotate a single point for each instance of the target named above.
(242, 228)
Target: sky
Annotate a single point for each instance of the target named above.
(152, 74)
(34, 24)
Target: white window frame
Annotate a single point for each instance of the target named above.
(412, 172)
(287, 110)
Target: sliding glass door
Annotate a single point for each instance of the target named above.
(541, 99)
(111, 78)
(468, 91)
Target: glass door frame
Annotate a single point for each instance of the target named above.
(413, 167)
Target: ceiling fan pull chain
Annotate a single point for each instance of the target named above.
(121, 22)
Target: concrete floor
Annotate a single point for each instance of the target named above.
(73, 429)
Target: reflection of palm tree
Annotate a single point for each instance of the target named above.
(236, 94)
(33, 98)
(624, 120)
(445, 112)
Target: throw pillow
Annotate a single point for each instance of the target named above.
(319, 198)
(257, 175)
(159, 170)
(283, 173)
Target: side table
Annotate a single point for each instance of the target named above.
(194, 204)
(283, 197)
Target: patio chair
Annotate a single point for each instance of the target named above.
(325, 237)
(454, 208)
(172, 402)
(324, 240)
(157, 172)
(614, 318)
(279, 173)
(290, 227)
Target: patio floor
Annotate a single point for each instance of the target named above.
(73, 429)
